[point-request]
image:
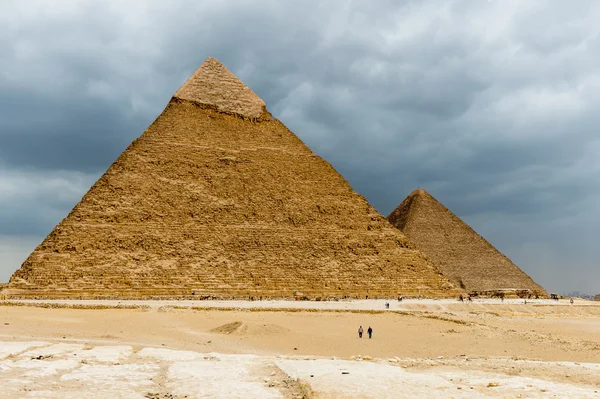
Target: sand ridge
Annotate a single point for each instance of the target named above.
(241, 328)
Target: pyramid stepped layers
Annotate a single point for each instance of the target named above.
(221, 199)
(456, 249)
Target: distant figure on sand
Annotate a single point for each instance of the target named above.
(400, 298)
(461, 298)
(571, 301)
(370, 332)
(387, 305)
(360, 331)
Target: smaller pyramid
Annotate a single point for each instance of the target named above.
(456, 249)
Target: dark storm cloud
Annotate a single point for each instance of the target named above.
(70, 135)
(490, 106)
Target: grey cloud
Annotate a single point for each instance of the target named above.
(71, 135)
(33, 202)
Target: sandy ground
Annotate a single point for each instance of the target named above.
(371, 304)
(446, 348)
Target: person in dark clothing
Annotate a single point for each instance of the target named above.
(360, 331)
(370, 332)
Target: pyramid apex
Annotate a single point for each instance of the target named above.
(214, 85)
(419, 192)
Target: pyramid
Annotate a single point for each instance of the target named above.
(217, 198)
(456, 249)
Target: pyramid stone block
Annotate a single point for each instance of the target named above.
(218, 198)
(457, 250)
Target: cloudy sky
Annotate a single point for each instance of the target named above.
(492, 106)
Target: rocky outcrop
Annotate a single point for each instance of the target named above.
(219, 199)
(458, 251)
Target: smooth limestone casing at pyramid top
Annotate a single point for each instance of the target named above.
(456, 249)
(219, 198)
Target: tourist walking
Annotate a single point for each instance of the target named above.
(360, 331)
(370, 332)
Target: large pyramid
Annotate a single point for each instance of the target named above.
(219, 198)
(456, 249)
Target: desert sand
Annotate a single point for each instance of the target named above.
(422, 348)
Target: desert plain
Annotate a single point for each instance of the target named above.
(299, 349)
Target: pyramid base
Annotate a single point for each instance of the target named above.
(510, 293)
(200, 294)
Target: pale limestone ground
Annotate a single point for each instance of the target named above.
(45, 370)
(380, 379)
(64, 370)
